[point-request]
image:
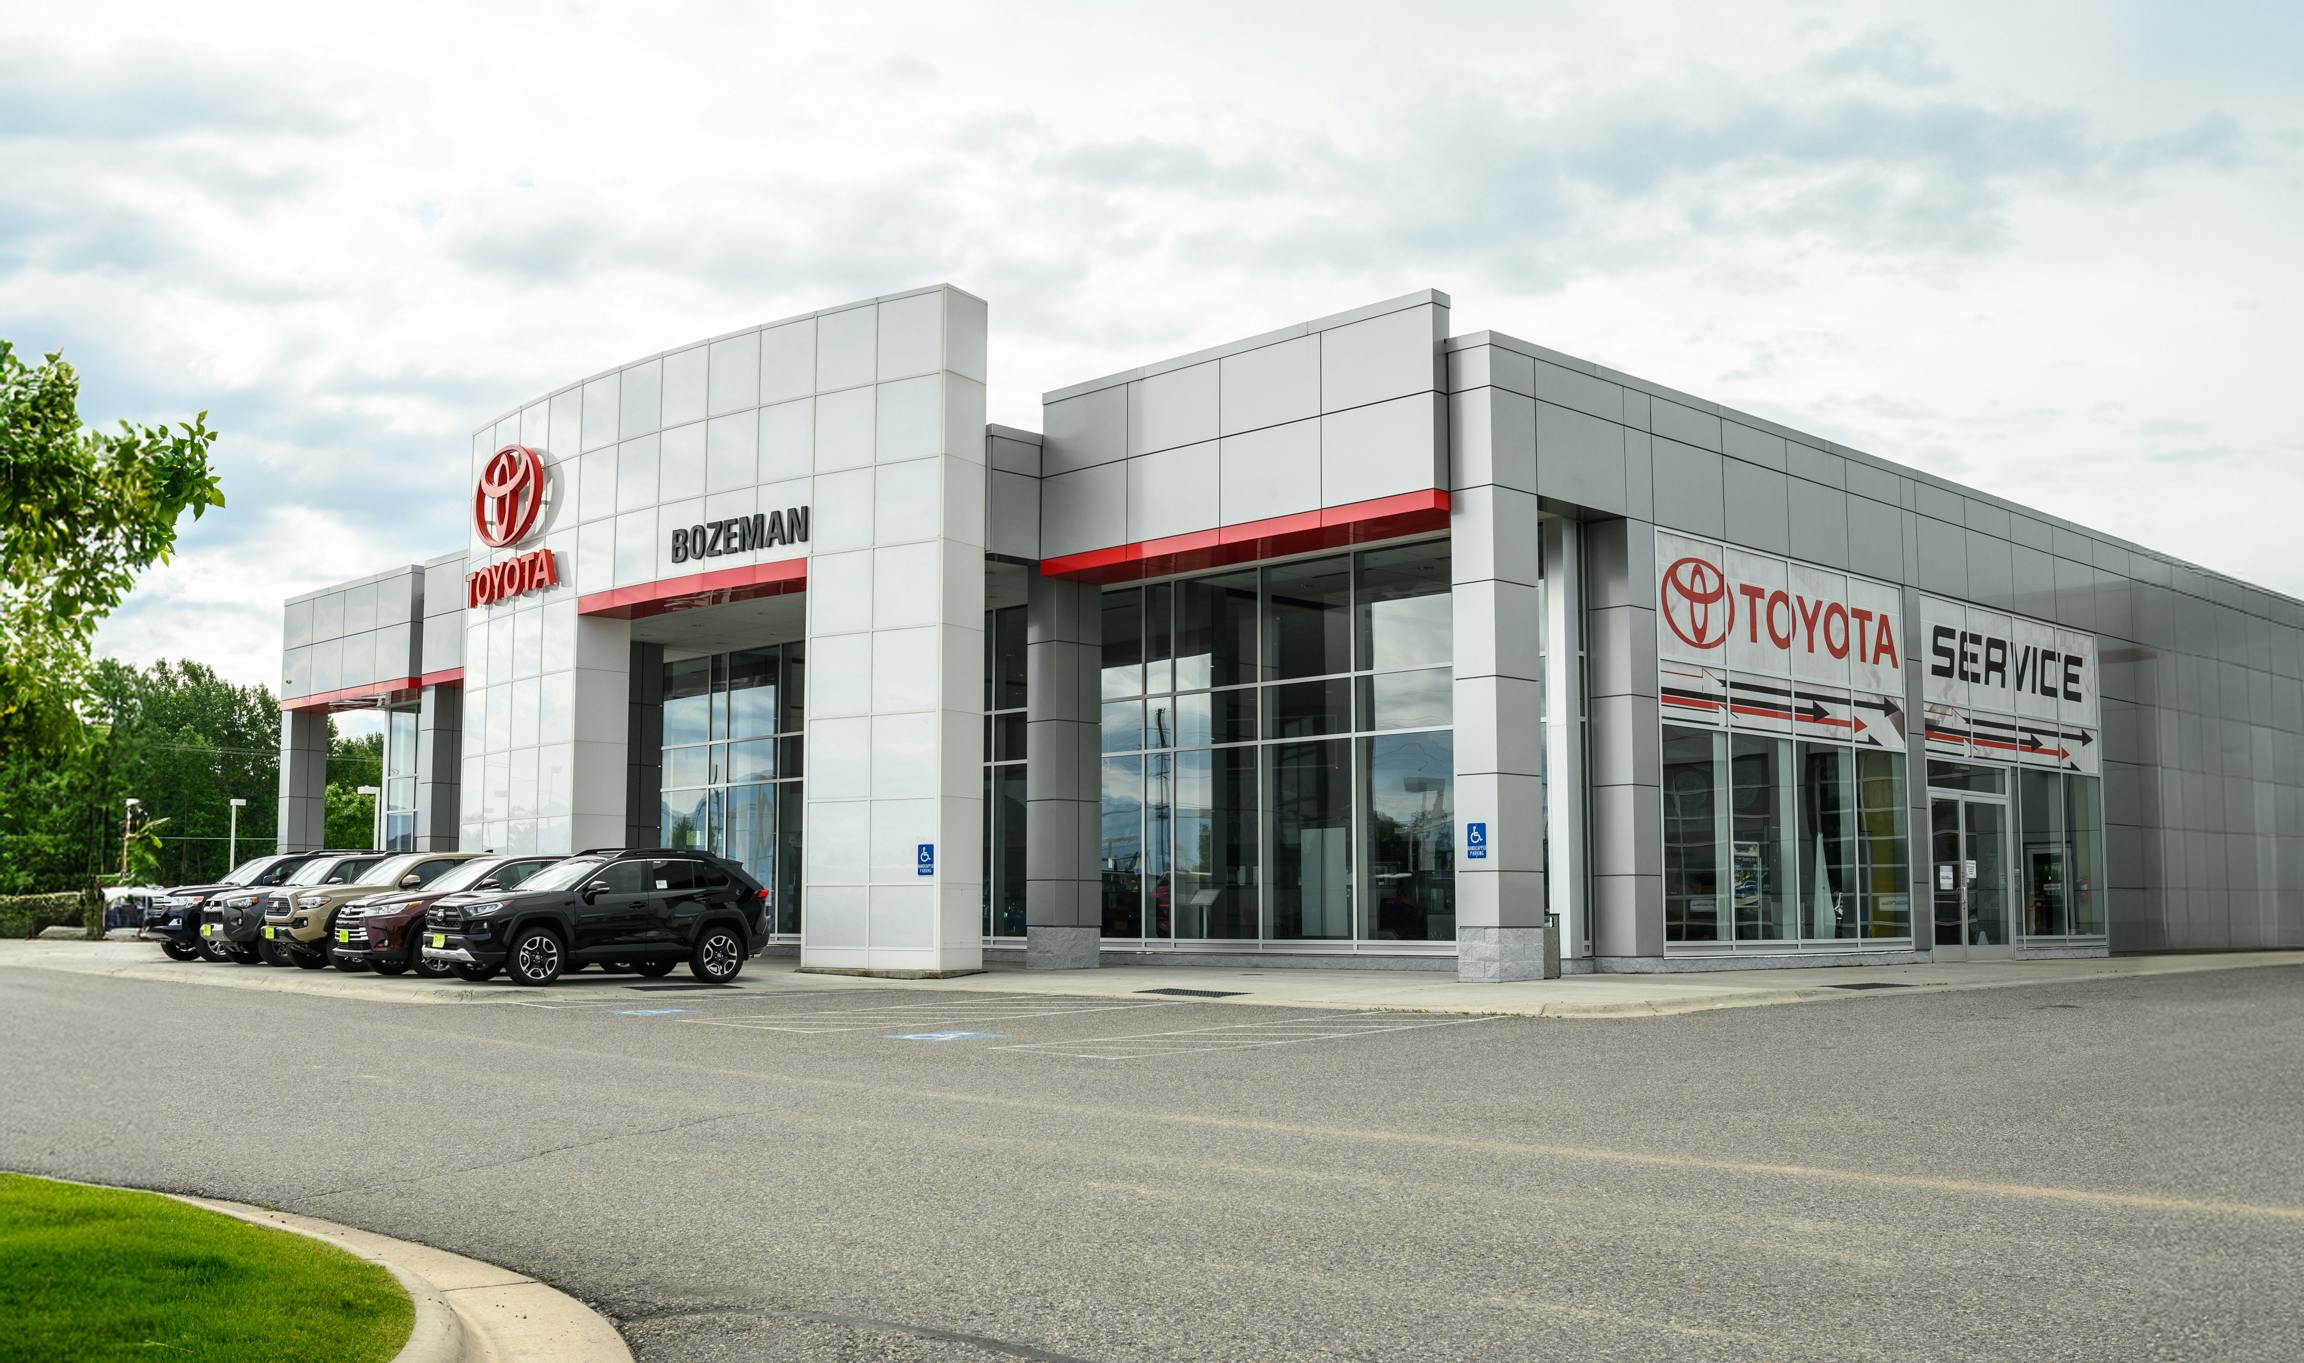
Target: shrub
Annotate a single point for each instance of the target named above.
(24, 915)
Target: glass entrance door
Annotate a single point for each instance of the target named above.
(1969, 841)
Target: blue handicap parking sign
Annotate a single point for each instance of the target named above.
(927, 858)
(1476, 842)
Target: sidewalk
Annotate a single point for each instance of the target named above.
(1575, 996)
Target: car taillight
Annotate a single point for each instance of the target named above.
(762, 896)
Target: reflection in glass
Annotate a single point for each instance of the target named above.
(1880, 818)
(1216, 822)
(1692, 817)
(1005, 677)
(1307, 621)
(748, 834)
(1404, 608)
(1123, 726)
(687, 701)
(688, 766)
(1159, 641)
(1216, 631)
(687, 818)
(1159, 836)
(2084, 817)
(1827, 840)
(2040, 815)
(751, 690)
(1120, 846)
(1311, 819)
(1123, 648)
(1423, 699)
(1008, 857)
(790, 811)
(1757, 828)
(1309, 709)
(752, 761)
(1411, 891)
(1209, 717)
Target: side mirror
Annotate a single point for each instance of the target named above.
(596, 888)
(410, 881)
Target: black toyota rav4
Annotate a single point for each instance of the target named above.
(651, 907)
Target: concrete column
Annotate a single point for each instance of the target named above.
(1566, 786)
(1063, 901)
(1495, 571)
(303, 780)
(894, 851)
(439, 766)
(596, 782)
(1626, 804)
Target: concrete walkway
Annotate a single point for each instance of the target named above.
(1577, 996)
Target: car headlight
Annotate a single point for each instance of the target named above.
(312, 901)
(241, 901)
(483, 908)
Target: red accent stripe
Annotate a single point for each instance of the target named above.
(697, 589)
(372, 691)
(446, 676)
(1382, 518)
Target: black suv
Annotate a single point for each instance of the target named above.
(173, 917)
(651, 907)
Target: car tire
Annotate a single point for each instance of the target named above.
(304, 962)
(656, 970)
(474, 974)
(433, 970)
(181, 951)
(245, 955)
(212, 953)
(537, 957)
(719, 955)
(349, 967)
(270, 954)
(389, 968)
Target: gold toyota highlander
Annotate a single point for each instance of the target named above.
(300, 920)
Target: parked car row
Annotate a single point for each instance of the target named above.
(474, 915)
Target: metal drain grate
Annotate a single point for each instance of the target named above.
(1869, 984)
(1197, 993)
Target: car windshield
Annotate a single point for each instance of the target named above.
(467, 875)
(248, 871)
(390, 870)
(564, 876)
(316, 870)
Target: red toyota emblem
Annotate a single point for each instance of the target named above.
(1695, 602)
(511, 492)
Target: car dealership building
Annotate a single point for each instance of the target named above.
(1355, 642)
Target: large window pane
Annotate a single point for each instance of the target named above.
(2040, 823)
(790, 812)
(1159, 640)
(1411, 890)
(1216, 822)
(1216, 631)
(1424, 699)
(793, 700)
(1311, 868)
(1008, 853)
(752, 704)
(1123, 643)
(1007, 673)
(1827, 846)
(1887, 869)
(1309, 709)
(2084, 820)
(1760, 789)
(1216, 717)
(1693, 808)
(1307, 620)
(687, 818)
(748, 830)
(1120, 852)
(1404, 608)
(1123, 726)
(687, 701)
(1159, 834)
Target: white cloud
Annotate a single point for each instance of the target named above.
(1956, 240)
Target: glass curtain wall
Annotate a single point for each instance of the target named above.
(1004, 671)
(1278, 757)
(732, 762)
(2060, 822)
(399, 780)
(1773, 839)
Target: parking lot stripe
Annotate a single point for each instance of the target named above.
(1237, 1036)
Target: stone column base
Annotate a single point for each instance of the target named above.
(1488, 955)
(1062, 948)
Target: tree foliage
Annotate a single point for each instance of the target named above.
(85, 512)
(353, 763)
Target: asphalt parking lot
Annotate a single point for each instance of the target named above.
(2077, 1171)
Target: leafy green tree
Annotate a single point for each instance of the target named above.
(353, 763)
(85, 511)
(351, 817)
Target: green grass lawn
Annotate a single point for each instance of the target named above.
(98, 1273)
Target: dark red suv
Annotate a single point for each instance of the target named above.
(385, 932)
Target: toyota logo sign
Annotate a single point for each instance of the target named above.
(511, 493)
(1695, 602)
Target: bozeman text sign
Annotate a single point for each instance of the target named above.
(2007, 688)
(1771, 644)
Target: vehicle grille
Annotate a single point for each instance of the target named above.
(449, 917)
(273, 905)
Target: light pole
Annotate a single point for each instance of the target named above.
(232, 841)
(376, 830)
(127, 827)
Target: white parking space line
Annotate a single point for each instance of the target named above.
(916, 1016)
(1238, 1036)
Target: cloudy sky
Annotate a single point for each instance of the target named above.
(2047, 249)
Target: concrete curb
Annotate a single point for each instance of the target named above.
(466, 1311)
